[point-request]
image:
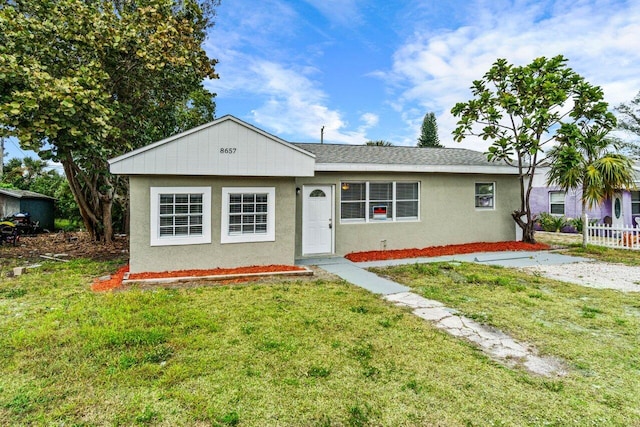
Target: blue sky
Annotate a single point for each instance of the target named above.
(369, 70)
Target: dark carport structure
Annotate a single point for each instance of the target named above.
(39, 206)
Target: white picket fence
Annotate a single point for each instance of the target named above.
(620, 237)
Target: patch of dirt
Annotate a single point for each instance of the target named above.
(593, 274)
(558, 240)
(74, 245)
(434, 251)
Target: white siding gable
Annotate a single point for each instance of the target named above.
(227, 146)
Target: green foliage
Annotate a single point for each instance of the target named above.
(584, 158)
(550, 222)
(380, 143)
(629, 120)
(429, 132)
(22, 173)
(521, 109)
(578, 223)
(86, 81)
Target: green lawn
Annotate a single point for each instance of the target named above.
(308, 352)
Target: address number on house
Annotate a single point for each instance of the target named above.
(228, 150)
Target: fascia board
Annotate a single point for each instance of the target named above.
(373, 167)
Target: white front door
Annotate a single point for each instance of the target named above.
(317, 219)
(617, 212)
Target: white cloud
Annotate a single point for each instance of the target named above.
(295, 106)
(282, 84)
(434, 71)
(338, 12)
(369, 119)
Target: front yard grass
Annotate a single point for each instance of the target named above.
(572, 245)
(308, 352)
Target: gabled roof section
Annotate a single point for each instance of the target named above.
(371, 158)
(226, 146)
(24, 194)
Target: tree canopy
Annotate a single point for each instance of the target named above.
(520, 110)
(429, 132)
(82, 81)
(629, 120)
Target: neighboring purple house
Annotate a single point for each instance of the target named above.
(623, 209)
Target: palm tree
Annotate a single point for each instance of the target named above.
(586, 159)
(380, 143)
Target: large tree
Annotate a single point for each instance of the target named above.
(85, 80)
(429, 132)
(520, 109)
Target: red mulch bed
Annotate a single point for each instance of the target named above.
(116, 279)
(114, 282)
(434, 251)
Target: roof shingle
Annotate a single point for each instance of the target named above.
(407, 156)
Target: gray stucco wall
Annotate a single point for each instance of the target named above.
(447, 213)
(146, 258)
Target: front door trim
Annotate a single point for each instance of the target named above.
(329, 190)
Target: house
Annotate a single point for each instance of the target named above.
(623, 209)
(227, 194)
(39, 206)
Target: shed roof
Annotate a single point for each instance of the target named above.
(335, 157)
(24, 194)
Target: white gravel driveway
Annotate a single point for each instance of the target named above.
(593, 274)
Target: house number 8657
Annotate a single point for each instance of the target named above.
(227, 151)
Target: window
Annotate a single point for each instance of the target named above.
(379, 201)
(180, 215)
(556, 202)
(485, 195)
(635, 202)
(353, 200)
(248, 214)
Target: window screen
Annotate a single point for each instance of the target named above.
(248, 213)
(180, 214)
(556, 202)
(485, 195)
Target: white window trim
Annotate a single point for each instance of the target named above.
(564, 202)
(269, 236)
(368, 203)
(488, 208)
(156, 240)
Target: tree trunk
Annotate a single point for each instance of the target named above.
(107, 224)
(527, 225)
(95, 208)
(584, 218)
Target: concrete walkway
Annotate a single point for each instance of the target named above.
(493, 342)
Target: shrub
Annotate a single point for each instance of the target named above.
(550, 222)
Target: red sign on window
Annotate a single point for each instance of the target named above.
(379, 212)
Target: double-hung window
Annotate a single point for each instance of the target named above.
(180, 215)
(556, 202)
(485, 195)
(379, 201)
(248, 214)
(635, 202)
